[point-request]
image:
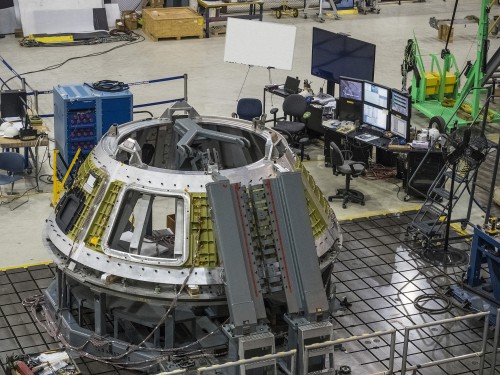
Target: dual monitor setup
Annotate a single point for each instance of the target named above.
(335, 57)
(381, 108)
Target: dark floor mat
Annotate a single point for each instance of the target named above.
(379, 274)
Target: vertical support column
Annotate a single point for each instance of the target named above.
(63, 300)
(170, 330)
(476, 255)
(100, 313)
(482, 48)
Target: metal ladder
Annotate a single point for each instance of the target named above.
(429, 222)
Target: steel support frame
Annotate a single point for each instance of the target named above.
(78, 337)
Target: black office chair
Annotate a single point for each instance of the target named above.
(293, 123)
(248, 109)
(350, 169)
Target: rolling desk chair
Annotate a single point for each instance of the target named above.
(248, 109)
(350, 169)
(13, 164)
(291, 125)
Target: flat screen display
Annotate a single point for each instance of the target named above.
(399, 127)
(335, 55)
(351, 89)
(350, 110)
(376, 95)
(400, 103)
(375, 117)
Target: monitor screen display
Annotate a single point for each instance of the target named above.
(376, 95)
(350, 110)
(400, 127)
(375, 117)
(335, 55)
(351, 89)
(400, 103)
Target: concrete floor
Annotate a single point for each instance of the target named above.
(214, 87)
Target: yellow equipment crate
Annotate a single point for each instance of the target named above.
(449, 83)
(432, 86)
(177, 22)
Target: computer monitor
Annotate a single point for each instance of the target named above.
(335, 55)
(351, 89)
(400, 103)
(12, 103)
(376, 117)
(400, 126)
(350, 110)
(292, 85)
(376, 95)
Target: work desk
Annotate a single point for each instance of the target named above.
(204, 7)
(361, 149)
(17, 143)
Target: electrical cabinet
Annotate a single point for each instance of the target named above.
(83, 115)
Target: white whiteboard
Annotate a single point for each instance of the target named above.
(30, 10)
(257, 43)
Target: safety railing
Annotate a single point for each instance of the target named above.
(480, 354)
(256, 362)
(173, 372)
(496, 349)
(37, 93)
(324, 348)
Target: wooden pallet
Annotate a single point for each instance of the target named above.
(173, 37)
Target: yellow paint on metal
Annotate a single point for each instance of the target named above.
(346, 12)
(381, 213)
(26, 265)
(93, 239)
(52, 39)
(202, 249)
(58, 186)
(81, 178)
(316, 201)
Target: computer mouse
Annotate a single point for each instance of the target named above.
(402, 142)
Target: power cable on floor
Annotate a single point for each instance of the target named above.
(137, 39)
(380, 172)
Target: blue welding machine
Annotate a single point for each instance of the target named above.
(82, 115)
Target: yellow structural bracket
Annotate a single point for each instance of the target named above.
(58, 186)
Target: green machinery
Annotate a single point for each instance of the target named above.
(436, 92)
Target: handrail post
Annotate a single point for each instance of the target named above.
(391, 353)
(185, 87)
(483, 346)
(495, 344)
(405, 351)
